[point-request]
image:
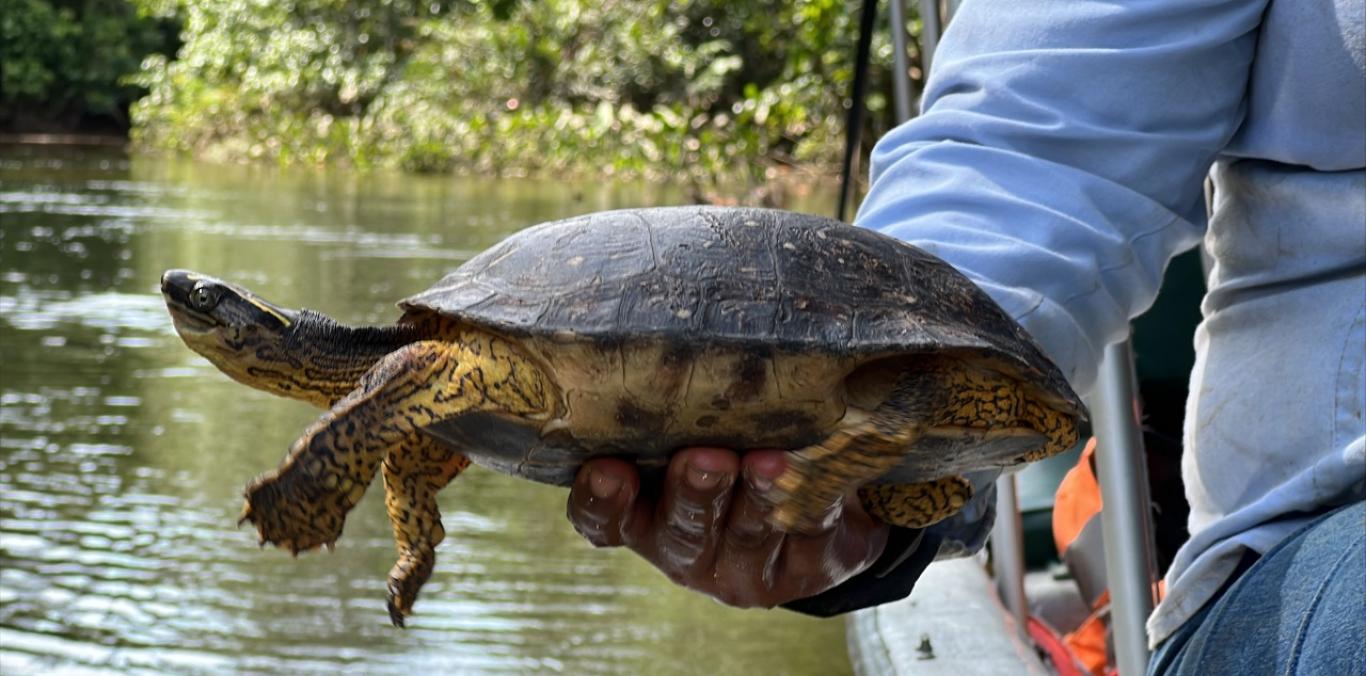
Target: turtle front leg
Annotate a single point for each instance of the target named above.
(303, 504)
(412, 477)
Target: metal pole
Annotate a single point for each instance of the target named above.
(901, 69)
(854, 125)
(930, 29)
(1007, 553)
(1123, 476)
(1007, 534)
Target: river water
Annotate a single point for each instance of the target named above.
(123, 454)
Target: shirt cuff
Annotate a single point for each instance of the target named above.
(891, 577)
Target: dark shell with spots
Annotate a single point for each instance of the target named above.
(652, 292)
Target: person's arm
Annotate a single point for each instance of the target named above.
(1060, 156)
(1058, 163)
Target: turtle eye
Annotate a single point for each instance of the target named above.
(203, 298)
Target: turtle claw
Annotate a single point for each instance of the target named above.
(413, 569)
(396, 615)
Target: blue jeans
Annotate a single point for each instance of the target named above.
(1300, 609)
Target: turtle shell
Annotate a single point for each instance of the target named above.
(741, 280)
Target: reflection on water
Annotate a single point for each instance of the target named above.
(122, 454)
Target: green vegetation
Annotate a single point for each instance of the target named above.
(62, 62)
(698, 91)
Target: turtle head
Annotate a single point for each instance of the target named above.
(243, 335)
(299, 354)
(201, 305)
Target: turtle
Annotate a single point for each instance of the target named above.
(634, 333)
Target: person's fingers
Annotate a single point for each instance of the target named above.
(709, 534)
(813, 562)
(602, 503)
(749, 545)
(688, 518)
(748, 527)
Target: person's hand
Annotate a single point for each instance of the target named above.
(707, 528)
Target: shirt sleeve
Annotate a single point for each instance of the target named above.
(1058, 162)
(1060, 156)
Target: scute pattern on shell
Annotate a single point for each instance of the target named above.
(751, 276)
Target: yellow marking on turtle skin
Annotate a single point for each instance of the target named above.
(413, 474)
(267, 309)
(302, 504)
(932, 394)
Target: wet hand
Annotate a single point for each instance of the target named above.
(707, 528)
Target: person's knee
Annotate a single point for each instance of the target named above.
(1298, 610)
(1328, 639)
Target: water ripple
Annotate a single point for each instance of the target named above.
(32, 310)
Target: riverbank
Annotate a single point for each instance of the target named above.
(732, 100)
(721, 96)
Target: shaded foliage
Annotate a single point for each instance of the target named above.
(62, 62)
(705, 90)
(700, 90)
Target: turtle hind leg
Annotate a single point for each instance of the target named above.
(303, 504)
(1060, 429)
(412, 477)
(916, 505)
(930, 397)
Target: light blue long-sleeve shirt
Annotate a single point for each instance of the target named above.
(1059, 163)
